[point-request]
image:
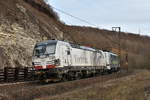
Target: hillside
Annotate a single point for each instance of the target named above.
(25, 22)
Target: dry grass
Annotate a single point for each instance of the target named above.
(43, 7)
(127, 88)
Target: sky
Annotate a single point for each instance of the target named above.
(131, 15)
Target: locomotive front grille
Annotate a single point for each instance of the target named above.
(52, 62)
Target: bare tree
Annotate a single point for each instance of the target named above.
(46, 1)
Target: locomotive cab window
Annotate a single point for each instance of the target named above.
(41, 50)
(50, 49)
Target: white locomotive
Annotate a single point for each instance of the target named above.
(60, 59)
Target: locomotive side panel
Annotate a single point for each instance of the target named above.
(86, 58)
(63, 53)
(112, 61)
(78, 57)
(81, 57)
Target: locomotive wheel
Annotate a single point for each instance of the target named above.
(64, 78)
(78, 75)
(110, 71)
(68, 77)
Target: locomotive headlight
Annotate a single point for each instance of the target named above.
(57, 62)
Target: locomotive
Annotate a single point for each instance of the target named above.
(55, 59)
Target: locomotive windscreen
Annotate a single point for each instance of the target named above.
(45, 49)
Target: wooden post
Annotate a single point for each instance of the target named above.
(25, 73)
(16, 74)
(6, 74)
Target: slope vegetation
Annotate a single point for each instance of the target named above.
(25, 22)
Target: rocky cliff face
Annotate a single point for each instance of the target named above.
(22, 24)
(25, 22)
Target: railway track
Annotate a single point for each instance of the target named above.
(5, 84)
(32, 90)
